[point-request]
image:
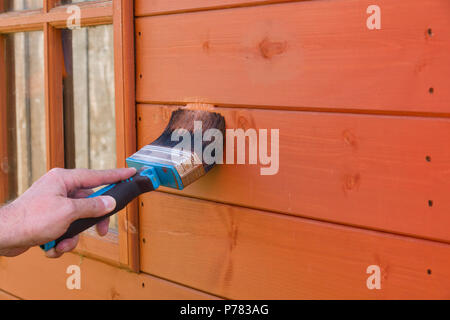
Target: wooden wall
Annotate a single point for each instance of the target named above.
(32, 276)
(364, 160)
(363, 147)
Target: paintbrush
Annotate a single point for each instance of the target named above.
(160, 163)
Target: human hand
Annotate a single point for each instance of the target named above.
(46, 210)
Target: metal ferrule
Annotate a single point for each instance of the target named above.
(186, 164)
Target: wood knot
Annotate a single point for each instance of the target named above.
(206, 46)
(352, 182)
(244, 122)
(114, 294)
(129, 227)
(269, 49)
(421, 65)
(233, 233)
(350, 139)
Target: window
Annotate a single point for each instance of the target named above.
(15, 5)
(26, 110)
(67, 100)
(89, 109)
(92, 72)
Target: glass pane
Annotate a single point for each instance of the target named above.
(90, 126)
(26, 110)
(15, 5)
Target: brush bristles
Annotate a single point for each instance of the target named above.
(184, 119)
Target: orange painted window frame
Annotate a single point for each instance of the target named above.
(121, 249)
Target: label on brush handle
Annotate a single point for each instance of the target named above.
(185, 165)
(168, 156)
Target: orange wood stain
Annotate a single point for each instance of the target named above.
(54, 63)
(105, 249)
(125, 123)
(6, 296)
(309, 54)
(240, 253)
(32, 276)
(92, 13)
(369, 171)
(153, 7)
(362, 182)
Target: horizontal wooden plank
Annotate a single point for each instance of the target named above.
(32, 276)
(378, 172)
(245, 254)
(310, 54)
(153, 7)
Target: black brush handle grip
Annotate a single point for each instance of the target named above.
(123, 192)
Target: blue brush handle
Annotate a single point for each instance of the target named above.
(124, 192)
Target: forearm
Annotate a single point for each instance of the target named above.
(6, 226)
(10, 232)
(46, 210)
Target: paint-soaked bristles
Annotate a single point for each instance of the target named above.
(184, 119)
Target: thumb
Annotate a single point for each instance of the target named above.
(92, 207)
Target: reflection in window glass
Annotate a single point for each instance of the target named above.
(16, 5)
(26, 110)
(63, 2)
(90, 131)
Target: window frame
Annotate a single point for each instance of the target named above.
(118, 249)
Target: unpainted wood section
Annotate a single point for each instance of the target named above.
(372, 171)
(32, 276)
(54, 64)
(307, 55)
(154, 7)
(3, 125)
(126, 123)
(240, 253)
(92, 13)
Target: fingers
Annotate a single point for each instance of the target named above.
(103, 227)
(91, 207)
(88, 179)
(69, 245)
(81, 194)
(64, 246)
(12, 252)
(52, 254)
